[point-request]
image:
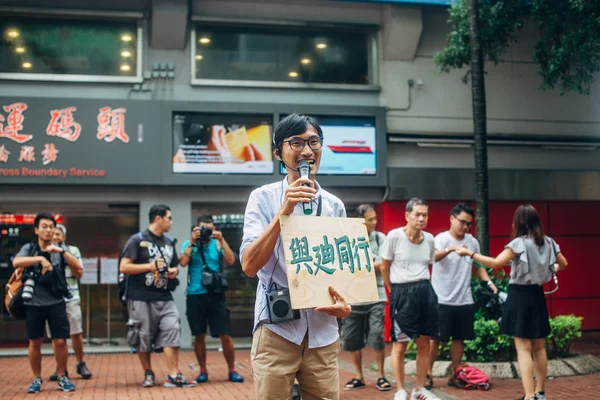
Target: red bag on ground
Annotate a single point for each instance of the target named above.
(471, 378)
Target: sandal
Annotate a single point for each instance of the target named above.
(383, 385)
(428, 382)
(354, 384)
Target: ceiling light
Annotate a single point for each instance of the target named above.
(321, 46)
(305, 61)
(204, 40)
(125, 54)
(126, 38)
(199, 57)
(13, 33)
(27, 65)
(293, 74)
(125, 67)
(20, 50)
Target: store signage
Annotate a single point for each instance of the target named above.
(76, 141)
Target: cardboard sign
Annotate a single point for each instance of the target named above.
(327, 251)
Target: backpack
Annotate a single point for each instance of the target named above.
(13, 300)
(472, 378)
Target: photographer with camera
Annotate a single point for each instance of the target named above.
(206, 293)
(43, 265)
(73, 305)
(150, 261)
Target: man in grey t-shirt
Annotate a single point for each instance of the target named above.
(451, 280)
(365, 322)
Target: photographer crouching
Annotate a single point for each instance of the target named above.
(45, 288)
(205, 302)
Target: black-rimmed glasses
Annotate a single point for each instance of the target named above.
(462, 221)
(315, 143)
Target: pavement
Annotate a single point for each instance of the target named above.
(118, 376)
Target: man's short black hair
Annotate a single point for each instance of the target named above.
(41, 216)
(292, 125)
(462, 207)
(158, 210)
(205, 218)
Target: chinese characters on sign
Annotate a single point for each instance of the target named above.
(14, 123)
(111, 125)
(62, 124)
(326, 251)
(347, 255)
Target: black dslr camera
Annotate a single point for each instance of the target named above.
(30, 278)
(205, 235)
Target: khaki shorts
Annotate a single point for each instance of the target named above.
(74, 316)
(276, 362)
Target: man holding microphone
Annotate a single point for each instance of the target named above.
(306, 348)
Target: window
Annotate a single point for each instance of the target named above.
(282, 56)
(70, 50)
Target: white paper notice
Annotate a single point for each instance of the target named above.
(90, 272)
(109, 271)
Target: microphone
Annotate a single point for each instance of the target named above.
(304, 169)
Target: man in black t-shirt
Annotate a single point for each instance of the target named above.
(150, 262)
(42, 264)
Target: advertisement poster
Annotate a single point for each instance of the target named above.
(348, 146)
(222, 144)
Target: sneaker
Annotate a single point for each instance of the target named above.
(401, 395)
(83, 370)
(54, 376)
(36, 386)
(540, 395)
(428, 382)
(423, 394)
(64, 384)
(202, 377)
(531, 398)
(178, 381)
(235, 377)
(148, 379)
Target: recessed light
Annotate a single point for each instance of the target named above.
(204, 40)
(126, 38)
(321, 46)
(125, 54)
(20, 50)
(293, 74)
(199, 57)
(305, 61)
(13, 33)
(125, 67)
(27, 65)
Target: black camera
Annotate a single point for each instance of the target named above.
(30, 276)
(205, 235)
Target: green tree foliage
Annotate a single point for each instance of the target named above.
(568, 51)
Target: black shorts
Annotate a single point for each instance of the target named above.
(208, 308)
(414, 311)
(56, 315)
(456, 322)
(525, 313)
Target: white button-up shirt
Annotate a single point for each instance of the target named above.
(262, 207)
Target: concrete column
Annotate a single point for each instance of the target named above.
(402, 27)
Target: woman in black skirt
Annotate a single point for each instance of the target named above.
(533, 258)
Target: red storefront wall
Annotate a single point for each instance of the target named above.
(575, 225)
